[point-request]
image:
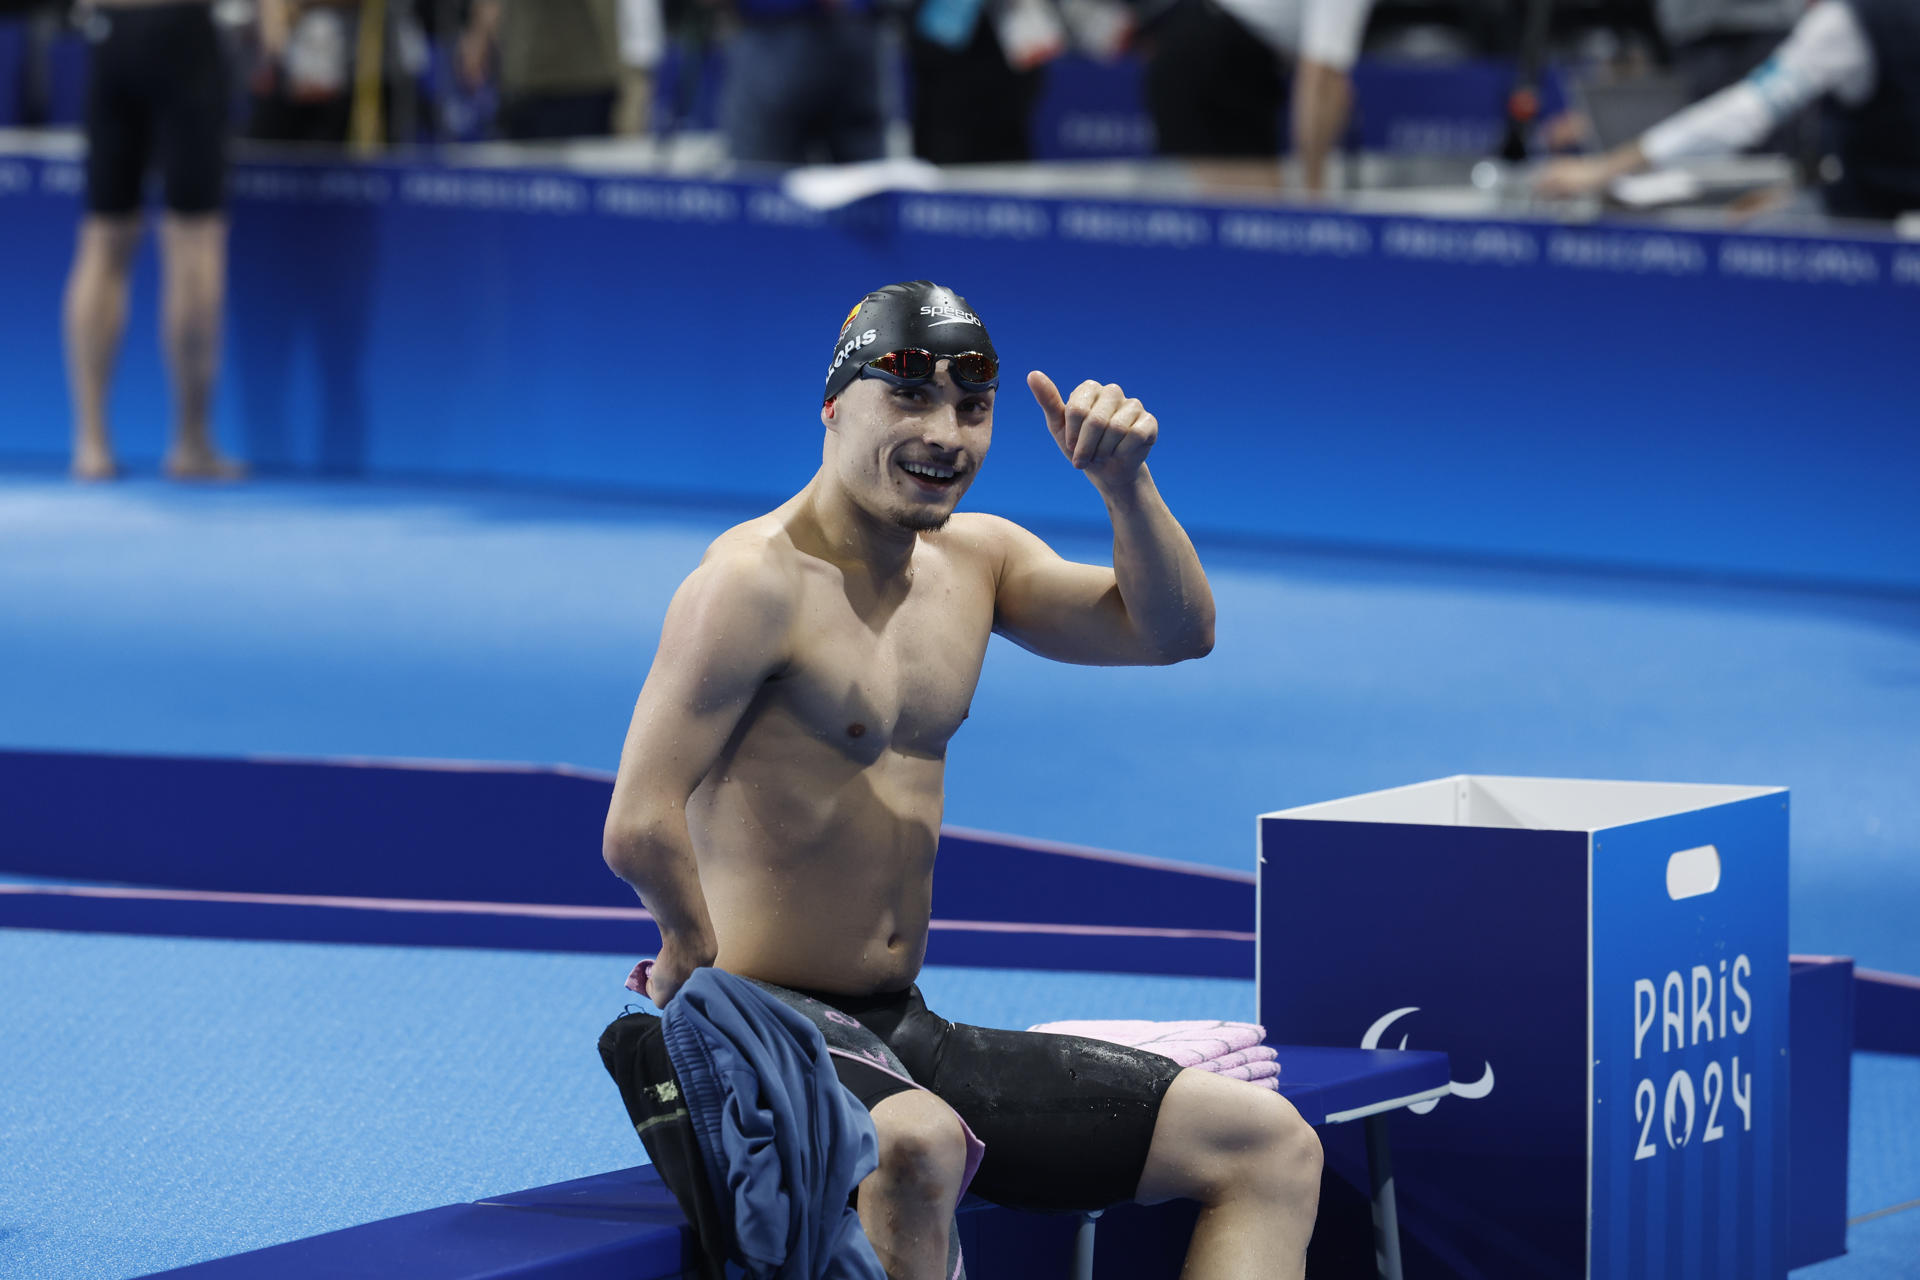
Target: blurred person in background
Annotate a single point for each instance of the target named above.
(643, 42)
(338, 71)
(1861, 56)
(803, 83)
(156, 97)
(1215, 77)
(1712, 43)
(302, 83)
(561, 71)
(978, 67)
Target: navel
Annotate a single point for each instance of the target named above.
(855, 730)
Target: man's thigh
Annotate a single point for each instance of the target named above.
(1067, 1121)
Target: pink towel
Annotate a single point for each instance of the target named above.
(1190, 1044)
(1265, 1073)
(1245, 1057)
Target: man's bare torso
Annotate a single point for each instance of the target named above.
(815, 831)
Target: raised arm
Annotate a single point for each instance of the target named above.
(1154, 605)
(725, 634)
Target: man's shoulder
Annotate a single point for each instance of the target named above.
(979, 531)
(995, 541)
(751, 565)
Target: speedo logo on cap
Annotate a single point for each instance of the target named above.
(949, 313)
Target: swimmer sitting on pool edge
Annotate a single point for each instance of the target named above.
(780, 791)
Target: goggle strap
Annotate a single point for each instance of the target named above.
(895, 380)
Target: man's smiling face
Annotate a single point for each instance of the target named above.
(906, 454)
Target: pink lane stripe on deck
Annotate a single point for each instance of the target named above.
(559, 911)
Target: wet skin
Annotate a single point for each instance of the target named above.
(780, 792)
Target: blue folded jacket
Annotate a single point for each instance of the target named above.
(783, 1143)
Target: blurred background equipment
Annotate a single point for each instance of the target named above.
(1859, 60)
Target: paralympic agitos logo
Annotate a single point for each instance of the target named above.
(1478, 1089)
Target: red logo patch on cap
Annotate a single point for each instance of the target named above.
(851, 314)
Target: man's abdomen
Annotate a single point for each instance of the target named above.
(821, 877)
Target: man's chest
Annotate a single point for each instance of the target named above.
(874, 675)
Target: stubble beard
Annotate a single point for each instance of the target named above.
(923, 521)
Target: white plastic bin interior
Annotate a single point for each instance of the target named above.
(1534, 804)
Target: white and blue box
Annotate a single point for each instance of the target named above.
(1605, 963)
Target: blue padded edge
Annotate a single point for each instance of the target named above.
(632, 1231)
(621, 1192)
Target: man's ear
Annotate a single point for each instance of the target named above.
(826, 415)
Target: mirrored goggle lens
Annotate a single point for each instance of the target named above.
(912, 364)
(974, 368)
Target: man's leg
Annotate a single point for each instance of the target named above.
(194, 263)
(1253, 1164)
(907, 1204)
(94, 318)
(1322, 105)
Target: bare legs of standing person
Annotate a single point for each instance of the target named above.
(194, 271)
(94, 319)
(193, 257)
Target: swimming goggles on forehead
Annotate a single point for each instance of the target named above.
(912, 366)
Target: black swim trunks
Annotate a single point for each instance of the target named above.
(156, 95)
(1067, 1121)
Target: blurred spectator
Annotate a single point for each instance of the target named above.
(1712, 43)
(560, 64)
(42, 22)
(1862, 55)
(302, 86)
(978, 69)
(157, 95)
(1214, 80)
(804, 83)
(643, 41)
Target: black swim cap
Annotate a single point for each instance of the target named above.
(918, 314)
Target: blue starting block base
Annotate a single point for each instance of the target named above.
(626, 1226)
(613, 1226)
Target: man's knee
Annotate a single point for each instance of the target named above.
(1267, 1153)
(923, 1151)
(110, 242)
(1284, 1156)
(193, 247)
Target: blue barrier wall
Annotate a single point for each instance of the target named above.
(441, 854)
(1623, 395)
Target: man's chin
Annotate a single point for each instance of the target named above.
(923, 519)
